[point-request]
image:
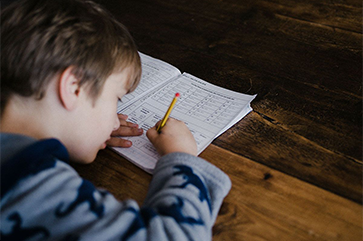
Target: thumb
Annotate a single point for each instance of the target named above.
(152, 133)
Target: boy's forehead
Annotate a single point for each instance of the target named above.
(128, 73)
(132, 76)
(122, 78)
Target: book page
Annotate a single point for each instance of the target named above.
(207, 110)
(154, 73)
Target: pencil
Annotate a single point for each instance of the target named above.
(166, 116)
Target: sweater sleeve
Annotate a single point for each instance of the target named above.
(184, 197)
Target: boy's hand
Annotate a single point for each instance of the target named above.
(126, 129)
(174, 137)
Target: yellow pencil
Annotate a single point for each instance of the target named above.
(166, 116)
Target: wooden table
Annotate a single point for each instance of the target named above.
(296, 160)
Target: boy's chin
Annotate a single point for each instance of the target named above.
(84, 160)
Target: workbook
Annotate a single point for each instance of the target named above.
(208, 110)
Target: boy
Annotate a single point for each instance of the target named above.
(64, 65)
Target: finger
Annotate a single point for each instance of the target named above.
(157, 124)
(170, 119)
(127, 131)
(123, 121)
(122, 116)
(118, 142)
(127, 123)
(130, 124)
(173, 119)
(151, 134)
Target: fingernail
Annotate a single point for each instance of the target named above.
(140, 130)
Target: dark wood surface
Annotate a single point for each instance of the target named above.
(296, 160)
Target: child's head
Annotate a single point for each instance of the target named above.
(43, 42)
(41, 38)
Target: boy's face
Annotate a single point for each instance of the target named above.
(98, 118)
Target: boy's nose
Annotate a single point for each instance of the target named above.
(117, 123)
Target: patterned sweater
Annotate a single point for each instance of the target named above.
(43, 198)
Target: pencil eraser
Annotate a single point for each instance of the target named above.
(177, 95)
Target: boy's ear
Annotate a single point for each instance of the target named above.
(69, 89)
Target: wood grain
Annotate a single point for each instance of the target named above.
(302, 58)
(263, 204)
(296, 160)
(265, 141)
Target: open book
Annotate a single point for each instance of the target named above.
(207, 110)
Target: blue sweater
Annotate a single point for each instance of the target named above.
(43, 198)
